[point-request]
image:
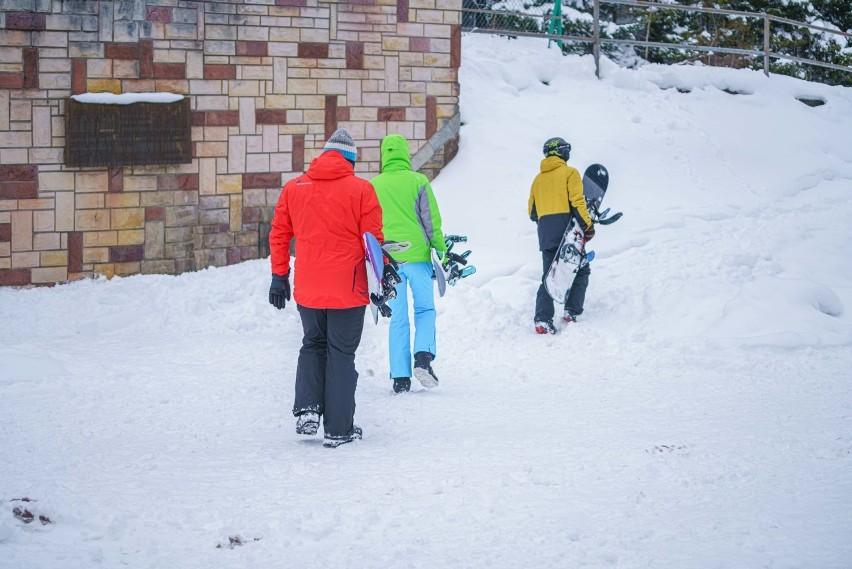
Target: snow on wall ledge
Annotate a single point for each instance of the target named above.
(126, 98)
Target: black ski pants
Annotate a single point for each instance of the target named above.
(325, 374)
(575, 298)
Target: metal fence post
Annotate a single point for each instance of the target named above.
(766, 44)
(597, 31)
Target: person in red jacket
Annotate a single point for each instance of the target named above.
(327, 210)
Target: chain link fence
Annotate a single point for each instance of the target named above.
(631, 32)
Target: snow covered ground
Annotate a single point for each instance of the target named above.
(699, 414)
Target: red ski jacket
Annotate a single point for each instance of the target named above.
(327, 210)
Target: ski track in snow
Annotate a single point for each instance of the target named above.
(698, 415)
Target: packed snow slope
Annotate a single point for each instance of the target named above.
(698, 415)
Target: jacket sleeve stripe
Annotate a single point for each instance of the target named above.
(424, 214)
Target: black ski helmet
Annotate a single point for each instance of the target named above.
(557, 147)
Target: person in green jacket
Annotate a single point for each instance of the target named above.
(413, 223)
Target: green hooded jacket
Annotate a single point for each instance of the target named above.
(409, 210)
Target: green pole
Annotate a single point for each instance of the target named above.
(556, 23)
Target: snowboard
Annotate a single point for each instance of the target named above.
(572, 254)
(375, 267)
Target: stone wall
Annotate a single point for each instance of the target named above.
(268, 81)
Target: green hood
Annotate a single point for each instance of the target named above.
(395, 154)
(409, 210)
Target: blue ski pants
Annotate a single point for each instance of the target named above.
(417, 276)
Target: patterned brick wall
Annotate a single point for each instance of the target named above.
(268, 81)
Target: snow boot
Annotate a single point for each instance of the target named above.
(423, 369)
(401, 384)
(545, 327)
(568, 317)
(307, 423)
(331, 441)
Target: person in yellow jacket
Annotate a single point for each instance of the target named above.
(555, 197)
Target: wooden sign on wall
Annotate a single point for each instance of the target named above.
(109, 135)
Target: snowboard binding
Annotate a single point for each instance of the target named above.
(390, 278)
(455, 264)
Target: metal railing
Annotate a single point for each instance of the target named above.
(475, 12)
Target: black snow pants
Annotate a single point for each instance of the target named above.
(325, 374)
(575, 298)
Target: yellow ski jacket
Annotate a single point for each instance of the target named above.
(555, 196)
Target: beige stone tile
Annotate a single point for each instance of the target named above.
(99, 68)
(14, 156)
(40, 203)
(22, 230)
(128, 218)
(206, 149)
(43, 221)
(21, 110)
(100, 238)
(95, 254)
(92, 220)
(123, 199)
(91, 181)
(105, 269)
(46, 241)
(140, 183)
(229, 184)
(131, 237)
(103, 86)
(25, 260)
(49, 275)
(89, 201)
(236, 213)
(54, 258)
(55, 181)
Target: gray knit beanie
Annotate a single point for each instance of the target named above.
(342, 141)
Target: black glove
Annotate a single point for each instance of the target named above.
(279, 290)
(589, 233)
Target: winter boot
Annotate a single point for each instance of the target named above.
(423, 369)
(331, 441)
(544, 327)
(307, 423)
(568, 317)
(401, 384)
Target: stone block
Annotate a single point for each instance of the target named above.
(64, 211)
(181, 215)
(122, 200)
(257, 163)
(43, 221)
(131, 237)
(178, 234)
(91, 181)
(210, 258)
(128, 268)
(159, 267)
(95, 255)
(22, 230)
(128, 218)
(45, 275)
(54, 258)
(126, 253)
(25, 259)
(92, 220)
(100, 238)
(13, 277)
(220, 47)
(46, 241)
(229, 184)
(103, 86)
